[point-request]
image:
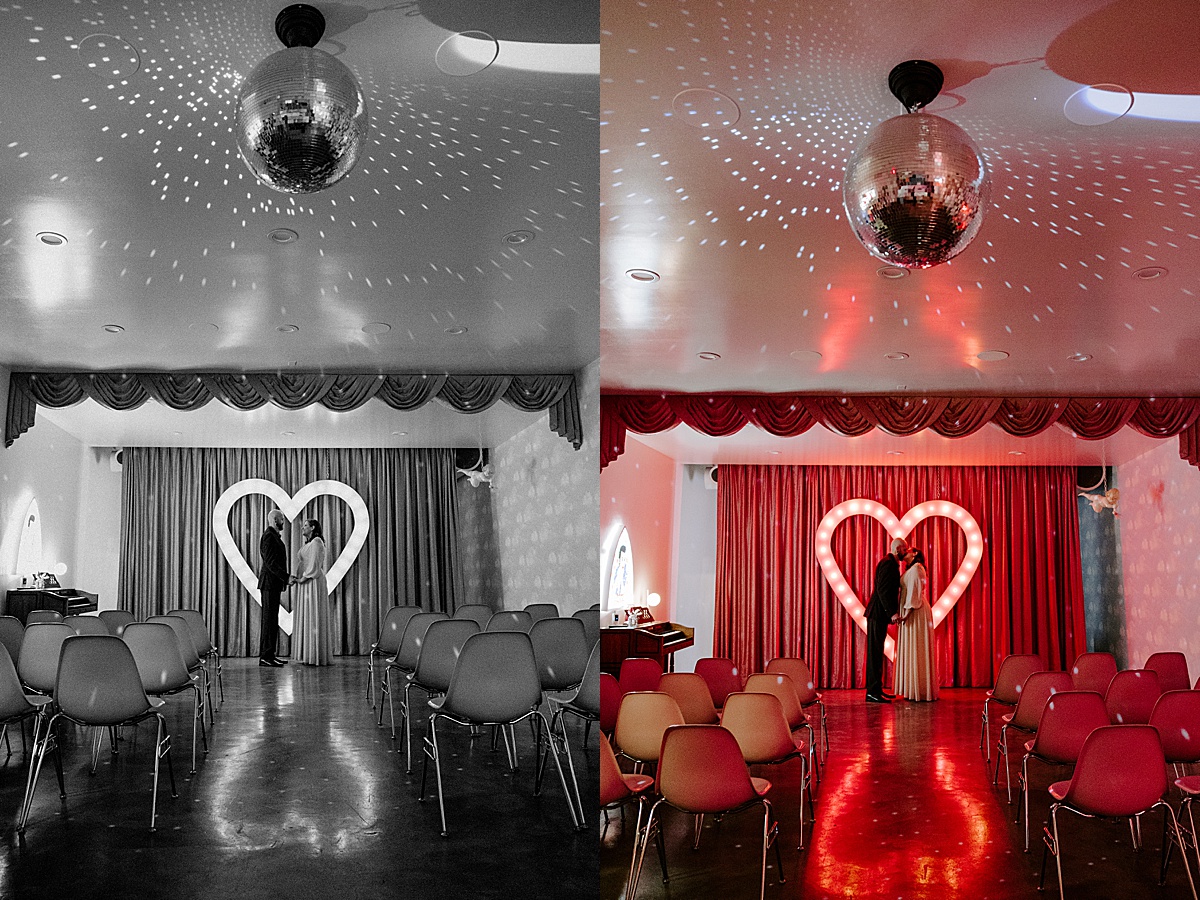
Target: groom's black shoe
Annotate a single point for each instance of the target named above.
(875, 698)
(272, 663)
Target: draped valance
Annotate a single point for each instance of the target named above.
(186, 391)
(786, 415)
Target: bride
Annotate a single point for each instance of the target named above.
(916, 675)
(312, 636)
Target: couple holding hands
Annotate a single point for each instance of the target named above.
(312, 635)
(904, 601)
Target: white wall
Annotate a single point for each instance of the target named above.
(695, 563)
(99, 525)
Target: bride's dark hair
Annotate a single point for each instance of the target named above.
(316, 529)
(918, 557)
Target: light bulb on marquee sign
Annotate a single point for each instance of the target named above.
(898, 528)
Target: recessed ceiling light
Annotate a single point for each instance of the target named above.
(643, 276)
(177, 433)
(896, 354)
(892, 272)
(708, 354)
(52, 238)
(805, 354)
(399, 434)
(1149, 273)
(895, 453)
(283, 236)
(288, 329)
(518, 237)
(456, 329)
(1016, 452)
(1079, 357)
(114, 329)
(287, 433)
(376, 328)
(991, 355)
(774, 452)
(204, 326)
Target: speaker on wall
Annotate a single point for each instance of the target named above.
(710, 477)
(116, 459)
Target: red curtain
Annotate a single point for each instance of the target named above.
(772, 598)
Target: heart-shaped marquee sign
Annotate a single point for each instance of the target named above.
(898, 528)
(291, 507)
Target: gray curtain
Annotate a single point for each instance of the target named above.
(170, 557)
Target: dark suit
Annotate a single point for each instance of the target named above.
(885, 603)
(272, 579)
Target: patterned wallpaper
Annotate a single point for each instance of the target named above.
(1103, 587)
(1160, 551)
(546, 502)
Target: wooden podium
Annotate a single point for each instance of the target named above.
(657, 640)
(65, 601)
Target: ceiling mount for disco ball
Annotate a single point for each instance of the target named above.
(916, 188)
(301, 117)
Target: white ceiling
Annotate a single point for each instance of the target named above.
(168, 231)
(743, 220)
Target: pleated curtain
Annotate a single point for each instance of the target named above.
(170, 557)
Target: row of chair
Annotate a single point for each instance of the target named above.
(396, 619)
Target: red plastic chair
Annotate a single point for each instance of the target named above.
(1176, 715)
(761, 729)
(691, 693)
(781, 686)
(610, 702)
(721, 676)
(1014, 669)
(806, 691)
(1172, 669)
(1120, 774)
(1035, 692)
(1067, 720)
(1131, 697)
(639, 673)
(618, 789)
(701, 771)
(1093, 672)
(1189, 786)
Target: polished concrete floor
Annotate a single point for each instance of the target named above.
(301, 796)
(905, 809)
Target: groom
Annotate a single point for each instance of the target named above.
(272, 579)
(881, 612)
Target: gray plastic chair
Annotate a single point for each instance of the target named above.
(476, 612)
(561, 649)
(207, 650)
(40, 650)
(539, 611)
(404, 663)
(435, 667)
(494, 683)
(116, 620)
(15, 705)
(583, 703)
(191, 654)
(98, 686)
(155, 650)
(86, 624)
(12, 633)
(591, 623)
(510, 620)
(41, 616)
(395, 620)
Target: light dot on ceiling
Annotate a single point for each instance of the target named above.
(51, 238)
(645, 276)
(288, 329)
(708, 354)
(991, 355)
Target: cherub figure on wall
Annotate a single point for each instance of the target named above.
(1108, 500)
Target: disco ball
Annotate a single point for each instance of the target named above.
(301, 120)
(915, 190)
